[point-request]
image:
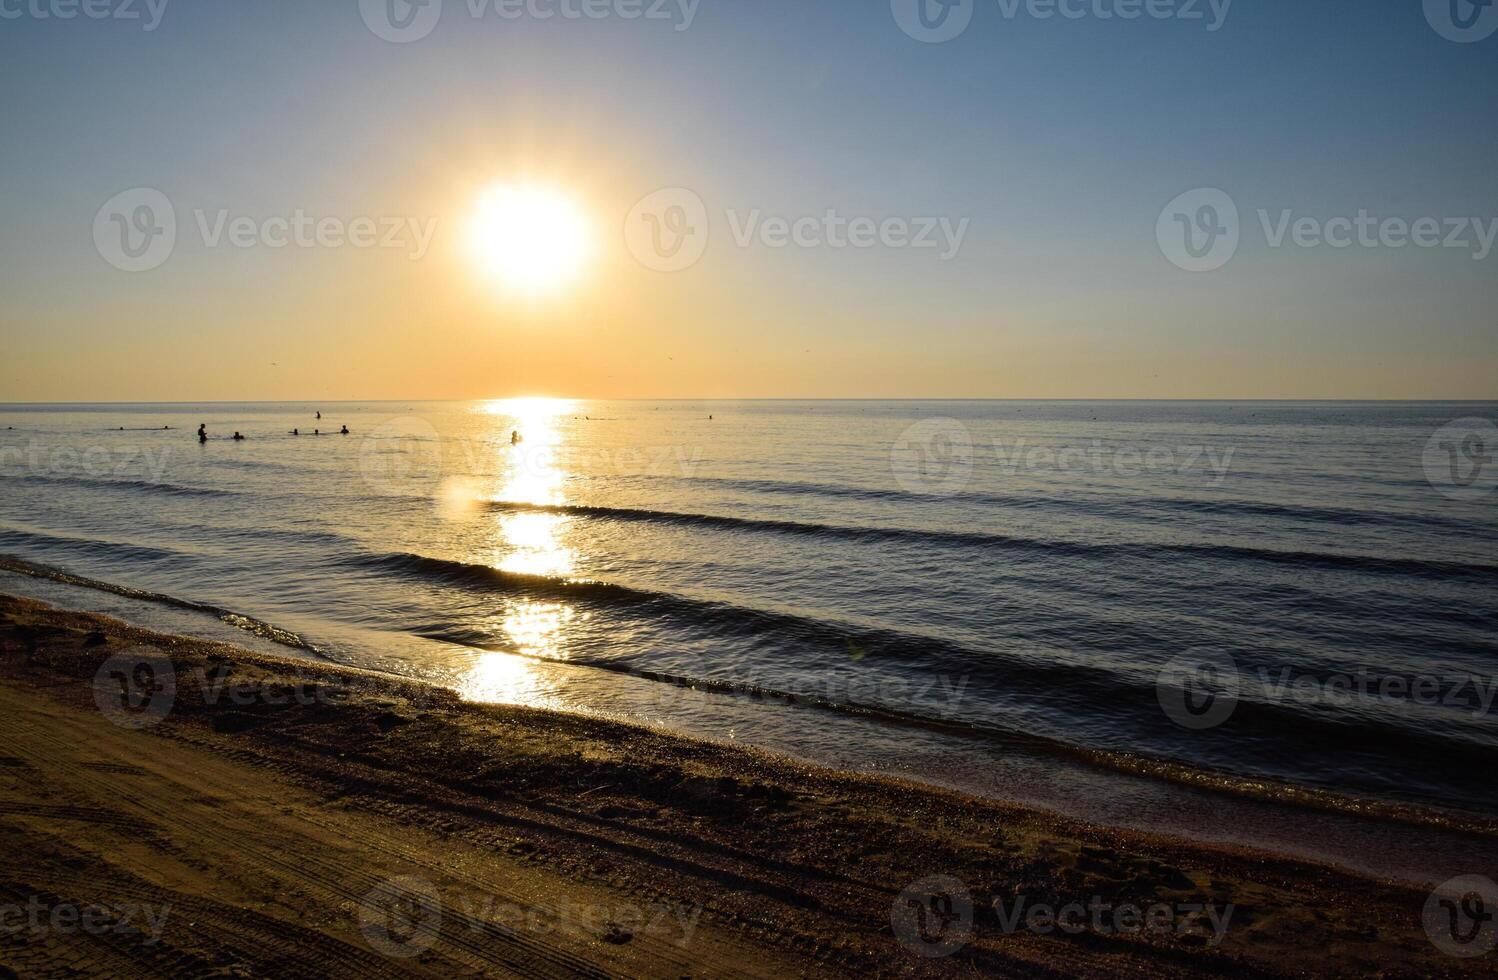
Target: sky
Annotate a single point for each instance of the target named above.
(1022, 190)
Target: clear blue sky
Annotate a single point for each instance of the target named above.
(1059, 141)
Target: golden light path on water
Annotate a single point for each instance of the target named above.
(529, 545)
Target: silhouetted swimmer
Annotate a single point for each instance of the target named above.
(343, 431)
(316, 433)
(296, 432)
(237, 437)
(319, 415)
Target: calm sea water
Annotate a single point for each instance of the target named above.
(962, 591)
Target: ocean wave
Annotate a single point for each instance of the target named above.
(1372, 564)
(1133, 507)
(90, 545)
(249, 624)
(786, 630)
(146, 486)
(1005, 673)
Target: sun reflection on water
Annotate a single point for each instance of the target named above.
(533, 538)
(505, 678)
(534, 627)
(530, 545)
(532, 476)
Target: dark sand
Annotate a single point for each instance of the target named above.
(258, 827)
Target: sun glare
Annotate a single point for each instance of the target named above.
(531, 238)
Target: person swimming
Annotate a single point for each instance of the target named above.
(343, 431)
(296, 432)
(319, 415)
(237, 437)
(515, 438)
(316, 432)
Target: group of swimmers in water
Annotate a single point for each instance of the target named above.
(318, 432)
(237, 437)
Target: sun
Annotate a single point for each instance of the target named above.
(532, 238)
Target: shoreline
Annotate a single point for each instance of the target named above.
(1375, 837)
(334, 790)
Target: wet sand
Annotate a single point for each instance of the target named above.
(261, 816)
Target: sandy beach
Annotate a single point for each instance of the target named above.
(280, 817)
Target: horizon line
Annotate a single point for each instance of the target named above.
(720, 398)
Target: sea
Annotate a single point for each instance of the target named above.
(1271, 623)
